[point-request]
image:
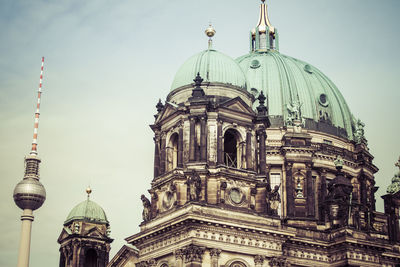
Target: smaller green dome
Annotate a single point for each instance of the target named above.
(88, 211)
(213, 66)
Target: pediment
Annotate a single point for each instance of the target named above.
(95, 233)
(65, 233)
(167, 112)
(237, 104)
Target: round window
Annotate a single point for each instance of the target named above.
(255, 64)
(236, 196)
(323, 100)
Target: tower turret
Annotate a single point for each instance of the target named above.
(85, 238)
(29, 194)
(264, 36)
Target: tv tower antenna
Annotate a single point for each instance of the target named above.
(29, 194)
(37, 113)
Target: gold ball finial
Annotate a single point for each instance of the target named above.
(88, 191)
(210, 31)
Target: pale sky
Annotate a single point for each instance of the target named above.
(108, 62)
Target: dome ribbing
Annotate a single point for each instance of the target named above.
(88, 211)
(213, 66)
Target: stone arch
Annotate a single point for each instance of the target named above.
(163, 264)
(172, 151)
(233, 148)
(237, 262)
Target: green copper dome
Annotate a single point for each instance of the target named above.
(286, 80)
(87, 211)
(213, 66)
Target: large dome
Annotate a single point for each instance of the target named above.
(213, 66)
(87, 211)
(284, 80)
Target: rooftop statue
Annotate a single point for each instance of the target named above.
(394, 187)
(359, 132)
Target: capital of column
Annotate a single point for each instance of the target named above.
(215, 252)
(258, 260)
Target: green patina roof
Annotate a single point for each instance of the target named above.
(285, 79)
(87, 211)
(213, 66)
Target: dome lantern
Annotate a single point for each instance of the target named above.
(265, 36)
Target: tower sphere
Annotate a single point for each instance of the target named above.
(210, 31)
(29, 194)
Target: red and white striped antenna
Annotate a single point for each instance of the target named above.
(37, 113)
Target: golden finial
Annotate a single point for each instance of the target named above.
(88, 191)
(210, 32)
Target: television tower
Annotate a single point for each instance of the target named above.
(29, 194)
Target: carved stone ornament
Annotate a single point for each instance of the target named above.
(273, 199)
(278, 262)
(359, 133)
(178, 254)
(215, 252)
(299, 189)
(259, 260)
(146, 214)
(193, 253)
(168, 200)
(194, 186)
(294, 114)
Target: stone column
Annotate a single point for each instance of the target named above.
(203, 139)
(310, 193)
(178, 258)
(289, 190)
(192, 139)
(322, 196)
(163, 153)
(258, 260)
(220, 156)
(25, 240)
(75, 255)
(262, 154)
(180, 148)
(156, 156)
(214, 254)
(249, 158)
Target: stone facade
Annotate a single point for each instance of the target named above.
(229, 190)
(84, 244)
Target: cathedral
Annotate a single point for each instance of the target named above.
(258, 161)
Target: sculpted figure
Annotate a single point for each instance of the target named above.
(146, 214)
(274, 200)
(194, 184)
(359, 132)
(294, 114)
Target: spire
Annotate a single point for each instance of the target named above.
(37, 113)
(265, 36)
(210, 32)
(29, 194)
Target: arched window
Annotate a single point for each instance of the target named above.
(231, 148)
(172, 152)
(90, 258)
(237, 264)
